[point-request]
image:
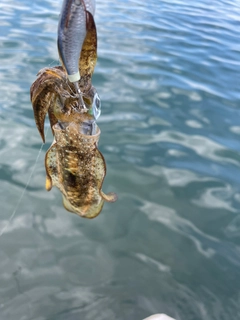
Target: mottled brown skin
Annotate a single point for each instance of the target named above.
(73, 163)
(52, 93)
(76, 166)
(88, 56)
(52, 90)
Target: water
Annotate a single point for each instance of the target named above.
(168, 77)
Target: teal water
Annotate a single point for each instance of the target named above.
(168, 75)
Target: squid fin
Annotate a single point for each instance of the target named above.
(87, 211)
(109, 197)
(50, 166)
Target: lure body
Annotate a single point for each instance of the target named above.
(72, 30)
(71, 35)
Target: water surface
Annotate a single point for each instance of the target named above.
(168, 77)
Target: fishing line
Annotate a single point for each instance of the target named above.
(4, 229)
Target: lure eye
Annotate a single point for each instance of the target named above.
(96, 106)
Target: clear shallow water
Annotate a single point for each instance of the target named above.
(168, 77)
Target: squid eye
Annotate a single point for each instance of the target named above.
(97, 102)
(96, 106)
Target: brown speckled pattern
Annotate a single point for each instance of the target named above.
(75, 166)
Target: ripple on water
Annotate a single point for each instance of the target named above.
(167, 74)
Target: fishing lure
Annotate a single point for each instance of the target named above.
(72, 30)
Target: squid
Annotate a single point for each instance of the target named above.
(73, 163)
